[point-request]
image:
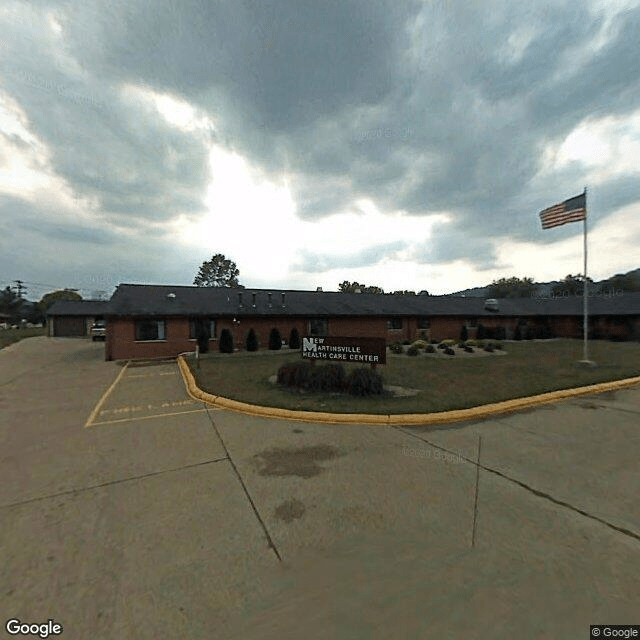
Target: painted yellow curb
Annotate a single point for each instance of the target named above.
(441, 417)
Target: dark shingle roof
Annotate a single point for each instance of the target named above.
(78, 308)
(140, 300)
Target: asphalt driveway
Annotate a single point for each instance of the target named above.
(129, 510)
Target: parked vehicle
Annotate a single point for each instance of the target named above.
(98, 330)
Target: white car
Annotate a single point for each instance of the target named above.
(98, 330)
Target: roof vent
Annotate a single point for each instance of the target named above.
(491, 304)
(171, 296)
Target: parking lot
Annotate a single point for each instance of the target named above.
(129, 510)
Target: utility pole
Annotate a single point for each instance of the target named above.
(20, 287)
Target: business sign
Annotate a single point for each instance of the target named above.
(366, 350)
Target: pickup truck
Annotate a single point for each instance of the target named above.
(98, 330)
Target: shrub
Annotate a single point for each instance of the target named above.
(252, 341)
(449, 351)
(448, 342)
(468, 349)
(430, 348)
(226, 341)
(424, 335)
(395, 347)
(481, 333)
(471, 343)
(406, 342)
(412, 351)
(275, 340)
(328, 377)
(294, 339)
(498, 346)
(419, 344)
(364, 382)
(489, 348)
(464, 333)
(434, 341)
(295, 375)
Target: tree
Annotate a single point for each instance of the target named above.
(64, 294)
(275, 340)
(404, 293)
(218, 272)
(226, 341)
(512, 288)
(252, 341)
(10, 303)
(294, 339)
(353, 287)
(571, 286)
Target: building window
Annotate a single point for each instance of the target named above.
(471, 323)
(150, 330)
(424, 323)
(394, 323)
(318, 327)
(210, 323)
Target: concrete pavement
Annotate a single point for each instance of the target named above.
(158, 517)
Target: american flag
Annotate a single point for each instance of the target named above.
(571, 210)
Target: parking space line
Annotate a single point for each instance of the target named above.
(156, 415)
(105, 395)
(151, 375)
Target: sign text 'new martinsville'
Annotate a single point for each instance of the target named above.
(370, 350)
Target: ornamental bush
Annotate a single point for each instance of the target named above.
(406, 342)
(419, 344)
(226, 341)
(328, 377)
(294, 339)
(412, 351)
(252, 341)
(395, 347)
(364, 382)
(449, 351)
(430, 349)
(464, 333)
(469, 349)
(295, 375)
(275, 340)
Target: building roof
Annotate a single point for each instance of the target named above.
(156, 300)
(78, 308)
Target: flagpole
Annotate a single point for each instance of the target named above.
(585, 323)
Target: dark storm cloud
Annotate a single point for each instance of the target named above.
(423, 107)
(22, 216)
(318, 263)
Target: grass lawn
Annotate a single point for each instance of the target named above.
(9, 336)
(528, 368)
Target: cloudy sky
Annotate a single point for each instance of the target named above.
(408, 145)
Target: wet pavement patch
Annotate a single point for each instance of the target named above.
(301, 462)
(290, 510)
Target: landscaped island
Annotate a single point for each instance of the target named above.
(444, 383)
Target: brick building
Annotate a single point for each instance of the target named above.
(73, 318)
(149, 321)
